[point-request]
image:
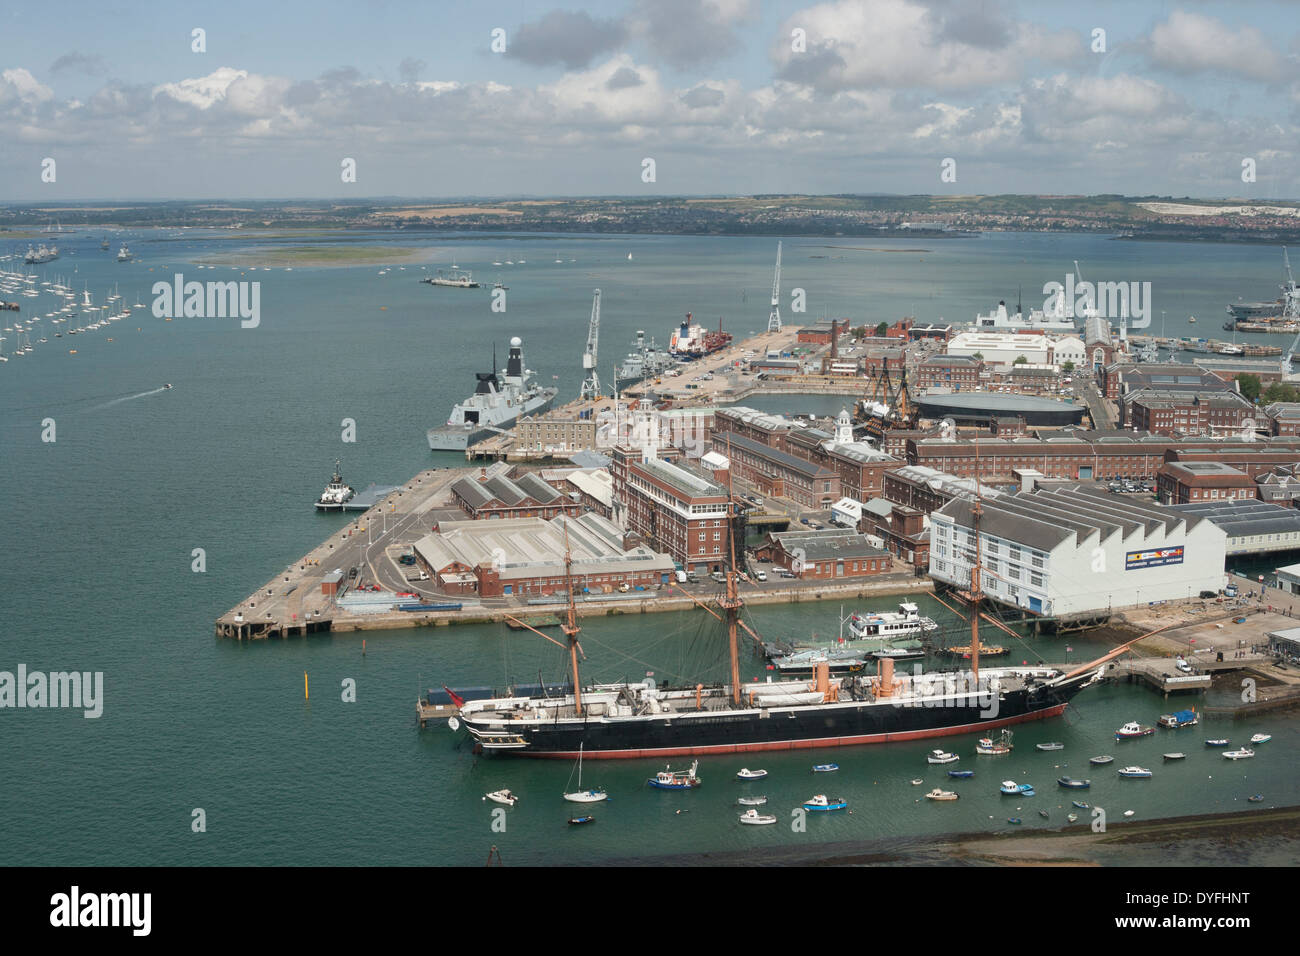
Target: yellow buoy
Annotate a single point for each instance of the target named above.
(305, 694)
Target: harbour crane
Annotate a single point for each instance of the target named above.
(774, 317)
(591, 383)
(1290, 293)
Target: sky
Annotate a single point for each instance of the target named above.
(497, 99)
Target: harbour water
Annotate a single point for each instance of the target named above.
(103, 524)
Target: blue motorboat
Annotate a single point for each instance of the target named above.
(1013, 820)
(822, 802)
(1081, 805)
(961, 774)
(1071, 784)
(579, 821)
(1217, 742)
(825, 767)
(1013, 789)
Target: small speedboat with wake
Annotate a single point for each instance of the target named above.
(821, 802)
(754, 818)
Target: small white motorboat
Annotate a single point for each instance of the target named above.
(746, 774)
(1261, 738)
(917, 782)
(937, 794)
(1072, 817)
(1241, 754)
(1050, 746)
(1128, 813)
(1135, 772)
(754, 818)
(1175, 756)
(752, 801)
(502, 796)
(941, 756)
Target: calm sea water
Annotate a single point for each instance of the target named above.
(101, 525)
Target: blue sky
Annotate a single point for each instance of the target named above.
(882, 91)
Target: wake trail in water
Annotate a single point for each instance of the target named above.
(126, 398)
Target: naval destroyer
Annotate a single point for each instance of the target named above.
(497, 403)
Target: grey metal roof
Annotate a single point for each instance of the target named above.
(799, 465)
(1244, 517)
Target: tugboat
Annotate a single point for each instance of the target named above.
(336, 493)
(676, 780)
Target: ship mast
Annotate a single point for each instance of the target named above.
(570, 626)
(731, 603)
(975, 593)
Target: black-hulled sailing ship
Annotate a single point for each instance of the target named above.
(640, 719)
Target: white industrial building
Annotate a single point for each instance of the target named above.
(1000, 348)
(1068, 348)
(1076, 550)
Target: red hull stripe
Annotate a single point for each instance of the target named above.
(1055, 711)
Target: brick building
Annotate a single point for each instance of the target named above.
(1283, 418)
(779, 474)
(676, 508)
(525, 556)
(949, 371)
(493, 494)
(830, 554)
(901, 530)
(1182, 483)
(1185, 412)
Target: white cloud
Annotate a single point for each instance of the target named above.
(1191, 42)
(899, 44)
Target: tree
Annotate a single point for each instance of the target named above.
(1020, 360)
(1067, 366)
(882, 328)
(978, 356)
(1276, 392)
(1249, 385)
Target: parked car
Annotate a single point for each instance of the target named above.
(760, 575)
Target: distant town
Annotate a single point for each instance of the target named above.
(1147, 217)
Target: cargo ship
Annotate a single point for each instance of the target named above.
(497, 403)
(692, 341)
(643, 720)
